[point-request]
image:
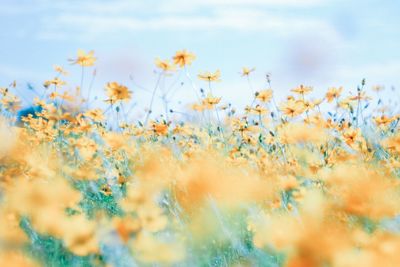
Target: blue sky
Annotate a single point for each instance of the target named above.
(316, 42)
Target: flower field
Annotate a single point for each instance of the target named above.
(295, 182)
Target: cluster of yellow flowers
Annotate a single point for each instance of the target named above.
(275, 185)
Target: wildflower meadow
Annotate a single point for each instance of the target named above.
(297, 181)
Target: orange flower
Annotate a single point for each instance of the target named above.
(183, 58)
(117, 92)
(125, 227)
(333, 93)
(160, 128)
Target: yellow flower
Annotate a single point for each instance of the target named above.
(292, 108)
(383, 120)
(197, 107)
(60, 70)
(53, 95)
(117, 92)
(351, 136)
(11, 103)
(307, 104)
(333, 93)
(183, 58)
(345, 103)
(66, 96)
(247, 71)
(209, 102)
(302, 90)
(95, 114)
(57, 82)
(258, 110)
(165, 65)
(392, 144)
(293, 133)
(317, 102)
(116, 141)
(265, 95)
(84, 59)
(210, 77)
(359, 97)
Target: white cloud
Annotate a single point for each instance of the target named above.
(192, 5)
(89, 25)
(62, 19)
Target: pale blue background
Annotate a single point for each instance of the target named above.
(317, 42)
